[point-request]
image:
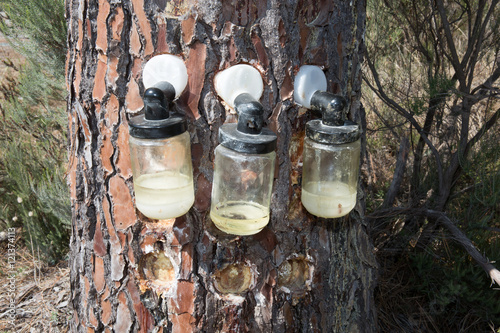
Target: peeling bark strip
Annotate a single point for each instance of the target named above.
(129, 274)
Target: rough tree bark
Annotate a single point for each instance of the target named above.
(129, 274)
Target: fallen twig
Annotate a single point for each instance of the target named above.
(458, 235)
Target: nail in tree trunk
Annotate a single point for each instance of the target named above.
(131, 274)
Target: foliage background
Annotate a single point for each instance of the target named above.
(33, 190)
(432, 98)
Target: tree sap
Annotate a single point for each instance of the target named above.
(164, 195)
(240, 217)
(328, 199)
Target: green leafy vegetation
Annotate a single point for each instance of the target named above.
(33, 190)
(37, 30)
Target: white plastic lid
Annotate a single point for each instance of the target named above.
(308, 80)
(165, 67)
(236, 80)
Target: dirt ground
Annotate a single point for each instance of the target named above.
(6, 54)
(33, 296)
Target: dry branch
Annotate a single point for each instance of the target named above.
(404, 149)
(380, 92)
(458, 235)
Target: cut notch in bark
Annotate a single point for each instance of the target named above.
(236, 278)
(158, 269)
(295, 275)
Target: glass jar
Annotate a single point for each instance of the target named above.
(163, 176)
(330, 177)
(241, 192)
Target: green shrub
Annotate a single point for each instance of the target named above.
(33, 190)
(37, 29)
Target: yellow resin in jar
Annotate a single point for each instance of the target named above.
(163, 177)
(330, 178)
(240, 217)
(164, 195)
(328, 199)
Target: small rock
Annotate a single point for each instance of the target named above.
(62, 305)
(60, 296)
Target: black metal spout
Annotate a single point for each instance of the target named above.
(248, 136)
(250, 114)
(157, 101)
(331, 107)
(156, 122)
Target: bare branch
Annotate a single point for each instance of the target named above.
(386, 123)
(477, 41)
(461, 238)
(451, 44)
(469, 19)
(388, 127)
(454, 168)
(458, 235)
(488, 83)
(399, 109)
(465, 190)
(487, 125)
(397, 179)
(475, 32)
(438, 35)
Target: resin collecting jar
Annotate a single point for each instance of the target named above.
(331, 149)
(160, 152)
(244, 162)
(330, 177)
(242, 189)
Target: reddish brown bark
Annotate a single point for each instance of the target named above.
(130, 274)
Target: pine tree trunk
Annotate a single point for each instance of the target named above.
(129, 274)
